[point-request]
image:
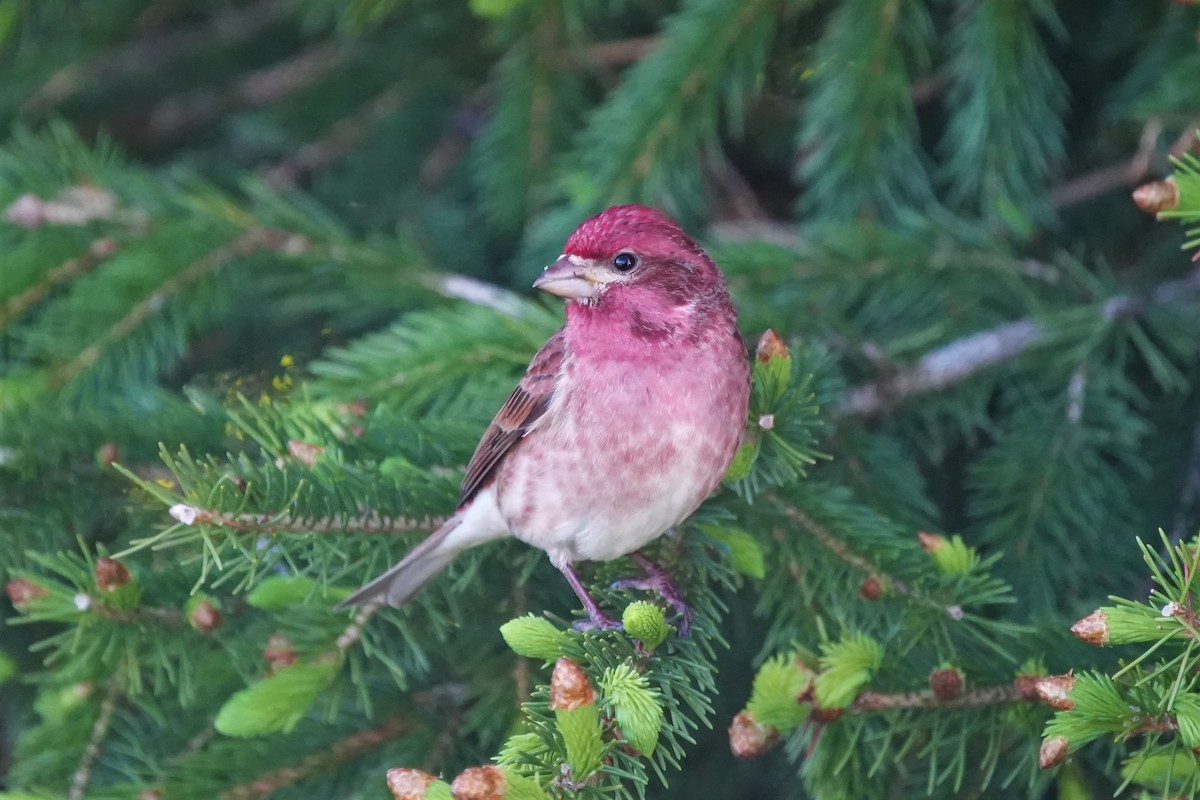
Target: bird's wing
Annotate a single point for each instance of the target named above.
(516, 417)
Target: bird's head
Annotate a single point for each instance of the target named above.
(630, 251)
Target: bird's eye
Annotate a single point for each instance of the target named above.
(625, 261)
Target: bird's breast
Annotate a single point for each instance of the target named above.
(629, 448)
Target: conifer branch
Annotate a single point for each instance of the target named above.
(150, 53)
(83, 773)
(250, 241)
(339, 752)
(72, 268)
(869, 702)
(371, 523)
(1125, 174)
(963, 358)
(336, 144)
(843, 551)
(177, 115)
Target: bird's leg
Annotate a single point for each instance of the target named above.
(659, 581)
(596, 617)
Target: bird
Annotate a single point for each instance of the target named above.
(624, 422)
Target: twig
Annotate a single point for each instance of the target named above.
(843, 551)
(193, 109)
(70, 269)
(1125, 174)
(963, 358)
(147, 55)
(336, 144)
(621, 52)
(83, 773)
(248, 242)
(479, 292)
(869, 702)
(349, 748)
(352, 634)
(283, 523)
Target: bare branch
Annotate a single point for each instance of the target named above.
(149, 54)
(336, 144)
(83, 773)
(326, 758)
(371, 523)
(959, 360)
(70, 269)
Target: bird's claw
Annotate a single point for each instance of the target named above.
(597, 622)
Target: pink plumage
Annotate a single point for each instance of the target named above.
(626, 419)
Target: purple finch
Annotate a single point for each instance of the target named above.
(624, 421)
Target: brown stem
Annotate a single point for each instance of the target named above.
(1125, 174)
(248, 242)
(83, 773)
(336, 144)
(869, 702)
(147, 55)
(371, 523)
(177, 115)
(70, 269)
(345, 750)
(963, 358)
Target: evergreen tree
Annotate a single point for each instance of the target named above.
(263, 270)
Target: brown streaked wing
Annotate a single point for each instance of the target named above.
(527, 403)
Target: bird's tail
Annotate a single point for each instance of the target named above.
(398, 585)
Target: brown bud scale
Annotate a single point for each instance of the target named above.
(21, 592)
(872, 588)
(930, 542)
(408, 784)
(1157, 196)
(304, 452)
(1053, 751)
(771, 347)
(1055, 691)
(748, 738)
(480, 783)
(947, 683)
(1093, 628)
(570, 687)
(111, 574)
(205, 616)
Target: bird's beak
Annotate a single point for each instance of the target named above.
(570, 277)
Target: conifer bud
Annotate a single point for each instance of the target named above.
(203, 615)
(930, 542)
(573, 700)
(151, 794)
(533, 637)
(279, 652)
(645, 622)
(480, 783)
(1053, 751)
(22, 592)
(304, 452)
(748, 738)
(1055, 691)
(1093, 628)
(771, 347)
(872, 588)
(1157, 196)
(947, 683)
(111, 574)
(1025, 685)
(570, 687)
(108, 454)
(415, 784)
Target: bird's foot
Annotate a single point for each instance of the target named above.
(657, 580)
(597, 620)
